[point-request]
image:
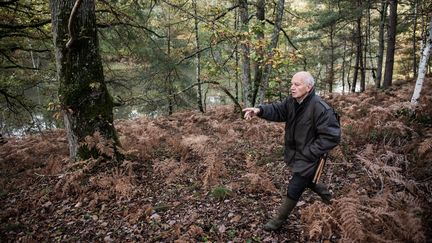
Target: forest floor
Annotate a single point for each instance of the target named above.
(215, 177)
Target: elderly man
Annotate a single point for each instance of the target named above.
(311, 130)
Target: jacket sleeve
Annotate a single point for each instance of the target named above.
(277, 112)
(328, 132)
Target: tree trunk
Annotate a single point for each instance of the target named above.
(422, 66)
(391, 43)
(198, 60)
(363, 64)
(258, 64)
(87, 106)
(332, 60)
(273, 44)
(414, 39)
(359, 52)
(169, 78)
(237, 61)
(349, 68)
(383, 13)
(363, 43)
(344, 66)
(245, 49)
(369, 45)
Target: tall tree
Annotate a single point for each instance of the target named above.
(331, 71)
(414, 37)
(245, 51)
(260, 50)
(86, 104)
(273, 44)
(380, 55)
(359, 48)
(198, 59)
(422, 66)
(391, 44)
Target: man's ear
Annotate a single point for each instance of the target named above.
(309, 88)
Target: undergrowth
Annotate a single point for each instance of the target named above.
(380, 175)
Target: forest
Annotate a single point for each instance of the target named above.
(122, 119)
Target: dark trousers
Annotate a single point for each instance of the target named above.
(298, 184)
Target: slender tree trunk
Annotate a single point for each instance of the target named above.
(87, 106)
(273, 44)
(349, 68)
(359, 52)
(258, 64)
(169, 78)
(383, 14)
(363, 59)
(422, 66)
(332, 60)
(198, 60)
(414, 39)
(369, 45)
(245, 51)
(236, 53)
(344, 66)
(363, 65)
(391, 44)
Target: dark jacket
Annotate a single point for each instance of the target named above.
(311, 130)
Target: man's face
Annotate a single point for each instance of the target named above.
(299, 89)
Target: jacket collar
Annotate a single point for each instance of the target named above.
(308, 97)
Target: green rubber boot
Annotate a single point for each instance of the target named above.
(323, 192)
(284, 211)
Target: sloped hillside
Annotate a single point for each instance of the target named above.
(216, 177)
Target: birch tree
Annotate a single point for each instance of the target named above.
(422, 66)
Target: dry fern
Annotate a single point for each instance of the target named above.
(258, 183)
(170, 169)
(215, 168)
(349, 220)
(100, 143)
(196, 143)
(320, 222)
(425, 146)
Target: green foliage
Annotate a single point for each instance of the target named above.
(148, 50)
(220, 193)
(232, 233)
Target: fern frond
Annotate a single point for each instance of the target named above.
(347, 211)
(215, 169)
(425, 146)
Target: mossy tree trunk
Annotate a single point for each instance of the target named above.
(86, 104)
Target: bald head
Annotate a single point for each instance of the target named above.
(306, 77)
(301, 84)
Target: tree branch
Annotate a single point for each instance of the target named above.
(107, 25)
(24, 26)
(72, 35)
(5, 3)
(118, 14)
(15, 65)
(285, 34)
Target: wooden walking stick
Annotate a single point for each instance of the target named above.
(320, 168)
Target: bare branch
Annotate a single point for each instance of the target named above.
(24, 26)
(15, 65)
(285, 34)
(71, 19)
(120, 15)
